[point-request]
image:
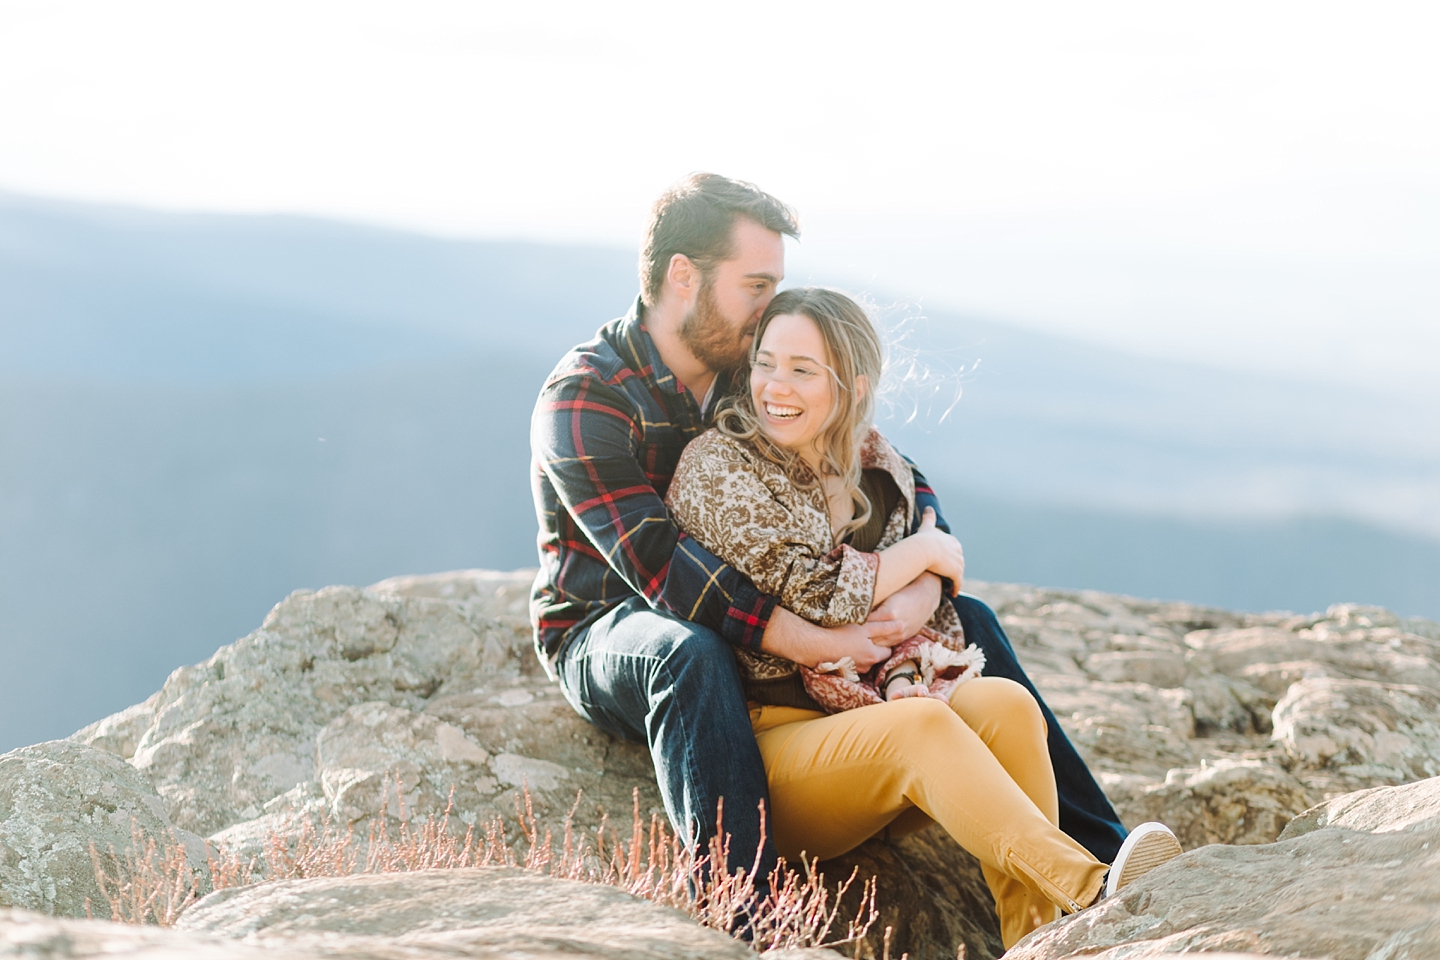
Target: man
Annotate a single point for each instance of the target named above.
(633, 617)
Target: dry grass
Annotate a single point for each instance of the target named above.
(152, 883)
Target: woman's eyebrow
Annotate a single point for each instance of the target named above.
(793, 356)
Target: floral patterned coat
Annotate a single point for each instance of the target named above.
(747, 511)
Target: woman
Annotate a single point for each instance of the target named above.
(797, 490)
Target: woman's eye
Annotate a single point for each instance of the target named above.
(764, 365)
(803, 373)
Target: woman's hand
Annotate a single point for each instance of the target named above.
(947, 559)
(904, 688)
(904, 681)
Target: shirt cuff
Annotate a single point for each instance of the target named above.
(748, 616)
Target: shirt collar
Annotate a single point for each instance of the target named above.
(649, 353)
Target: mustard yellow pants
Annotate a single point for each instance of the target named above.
(978, 767)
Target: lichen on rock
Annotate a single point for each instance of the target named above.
(57, 800)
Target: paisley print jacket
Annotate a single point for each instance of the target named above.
(749, 512)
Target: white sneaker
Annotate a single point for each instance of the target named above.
(1148, 846)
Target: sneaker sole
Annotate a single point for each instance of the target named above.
(1150, 845)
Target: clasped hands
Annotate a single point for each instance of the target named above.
(897, 619)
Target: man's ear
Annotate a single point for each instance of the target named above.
(683, 275)
(862, 386)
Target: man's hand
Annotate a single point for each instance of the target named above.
(905, 611)
(795, 638)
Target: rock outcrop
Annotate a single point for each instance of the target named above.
(57, 801)
(484, 912)
(494, 912)
(420, 691)
(34, 935)
(1354, 879)
(1226, 725)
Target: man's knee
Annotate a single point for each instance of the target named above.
(681, 656)
(973, 609)
(689, 648)
(983, 629)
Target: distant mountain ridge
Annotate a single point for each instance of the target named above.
(199, 414)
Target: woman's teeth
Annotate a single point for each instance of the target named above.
(782, 413)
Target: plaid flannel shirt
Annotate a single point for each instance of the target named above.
(605, 436)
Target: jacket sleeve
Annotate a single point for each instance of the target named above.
(587, 442)
(925, 497)
(720, 498)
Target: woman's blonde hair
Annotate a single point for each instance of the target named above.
(853, 350)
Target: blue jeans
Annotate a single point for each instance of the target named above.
(673, 685)
(1085, 812)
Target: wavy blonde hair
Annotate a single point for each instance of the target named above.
(853, 350)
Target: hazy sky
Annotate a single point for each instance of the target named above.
(1252, 183)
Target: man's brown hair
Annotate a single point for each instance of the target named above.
(696, 217)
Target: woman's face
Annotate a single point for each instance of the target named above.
(791, 383)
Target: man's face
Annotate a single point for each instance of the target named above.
(719, 327)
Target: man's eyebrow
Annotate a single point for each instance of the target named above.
(762, 276)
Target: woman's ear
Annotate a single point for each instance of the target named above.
(862, 386)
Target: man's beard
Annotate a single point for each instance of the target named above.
(712, 340)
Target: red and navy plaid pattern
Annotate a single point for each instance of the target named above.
(607, 431)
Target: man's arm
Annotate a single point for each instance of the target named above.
(792, 637)
(907, 610)
(586, 441)
(925, 497)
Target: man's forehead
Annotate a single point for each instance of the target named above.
(759, 252)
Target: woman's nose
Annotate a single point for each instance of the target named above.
(778, 388)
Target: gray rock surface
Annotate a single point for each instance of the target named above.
(58, 798)
(39, 937)
(482, 912)
(496, 914)
(1224, 725)
(1356, 879)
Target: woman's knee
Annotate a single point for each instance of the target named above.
(919, 721)
(993, 704)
